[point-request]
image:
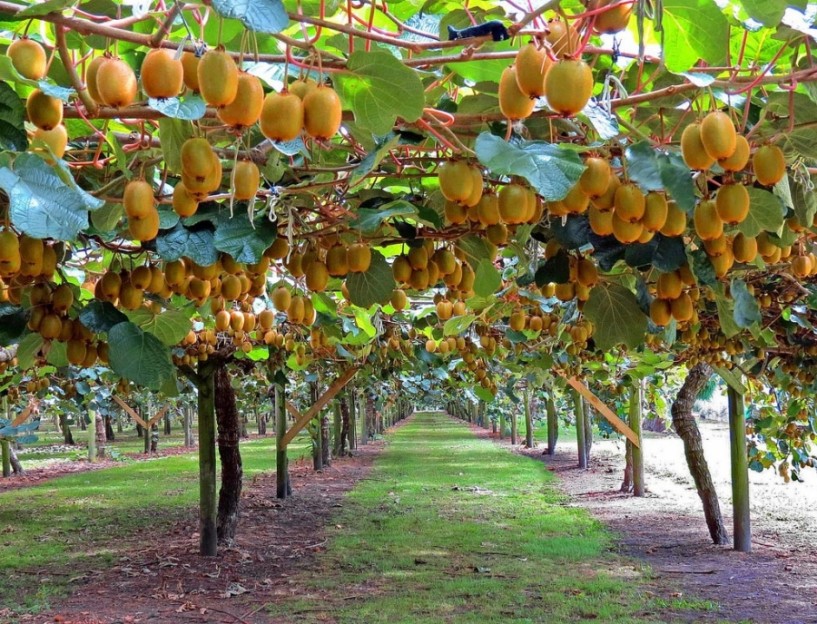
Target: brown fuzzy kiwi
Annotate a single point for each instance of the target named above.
(116, 83)
(513, 204)
(595, 180)
(626, 231)
(44, 111)
(456, 180)
(532, 65)
(162, 74)
(630, 203)
(513, 103)
(56, 139)
(744, 248)
(732, 203)
(282, 116)
(184, 204)
(217, 74)
(245, 109)
(563, 38)
(322, 113)
(190, 67)
(708, 223)
(693, 150)
(739, 158)
(245, 180)
(90, 77)
(138, 199)
(718, 135)
(769, 165)
(614, 19)
(676, 222)
(569, 85)
(29, 58)
(655, 212)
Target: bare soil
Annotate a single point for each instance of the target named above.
(774, 584)
(164, 580)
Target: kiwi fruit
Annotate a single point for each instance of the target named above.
(245, 108)
(245, 180)
(569, 85)
(44, 111)
(732, 203)
(769, 165)
(322, 113)
(116, 83)
(693, 150)
(29, 58)
(162, 74)
(282, 116)
(718, 135)
(217, 76)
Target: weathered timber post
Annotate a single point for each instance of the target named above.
(5, 446)
(91, 430)
(352, 399)
(742, 527)
(282, 489)
(528, 421)
(337, 428)
(208, 503)
(578, 408)
(637, 453)
(553, 424)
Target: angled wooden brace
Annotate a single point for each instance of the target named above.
(136, 417)
(302, 420)
(23, 416)
(618, 424)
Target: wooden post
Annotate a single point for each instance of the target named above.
(5, 448)
(208, 502)
(501, 425)
(553, 424)
(92, 437)
(351, 397)
(514, 427)
(636, 395)
(282, 489)
(742, 527)
(364, 432)
(336, 428)
(528, 421)
(578, 409)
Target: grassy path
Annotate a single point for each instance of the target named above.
(453, 528)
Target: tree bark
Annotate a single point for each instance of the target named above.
(283, 486)
(351, 398)
(229, 432)
(528, 420)
(344, 442)
(581, 440)
(67, 436)
(188, 427)
(326, 439)
(109, 433)
(168, 430)
(101, 437)
(337, 427)
(687, 428)
(637, 453)
(261, 419)
(627, 482)
(588, 430)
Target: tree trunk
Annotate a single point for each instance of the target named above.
(283, 486)
(16, 466)
(101, 437)
(578, 412)
(229, 432)
(67, 436)
(188, 427)
(5, 450)
(315, 430)
(109, 434)
(139, 431)
(91, 437)
(351, 397)
(326, 439)
(687, 428)
(154, 438)
(168, 430)
(370, 415)
(344, 441)
(514, 427)
(637, 453)
(337, 428)
(261, 419)
(627, 482)
(244, 422)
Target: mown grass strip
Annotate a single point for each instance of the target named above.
(453, 528)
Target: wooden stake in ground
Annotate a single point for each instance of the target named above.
(578, 409)
(740, 472)
(553, 424)
(636, 452)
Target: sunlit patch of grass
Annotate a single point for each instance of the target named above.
(418, 542)
(74, 520)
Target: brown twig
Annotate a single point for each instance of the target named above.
(65, 56)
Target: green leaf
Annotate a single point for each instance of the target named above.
(100, 316)
(483, 394)
(13, 321)
(747, 310)
(265, 16)
(804, 200)
(458, 324)
(12, 120)
(169, 326)
(58, 354)
(243, 240)
(373, 158)
(642, 166)
(28, 349)
(363, 319)
(604, 122)
(475, 248)
(766, 212)
(107, 218)
(190, 107)
(197, 244)
(172, 134)
(379, 89)
(616, 316)
(139, 356)
(487, 279)
(369, 220)
(726, 312)
(555, 269)
(767, 12)
(375, 285)
(38, 9)
(42, 205)
(655, 170)
(551, 170)
(693, 29)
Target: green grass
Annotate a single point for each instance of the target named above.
(408, 547)
(75, 522)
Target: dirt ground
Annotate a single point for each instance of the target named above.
(775, 584)
(168, 583)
